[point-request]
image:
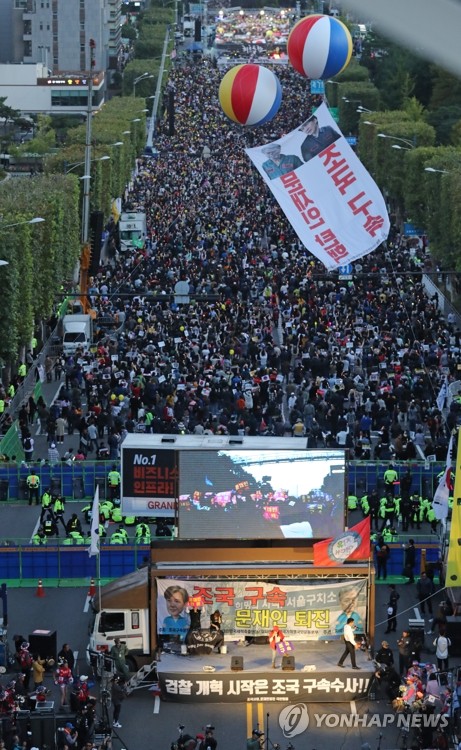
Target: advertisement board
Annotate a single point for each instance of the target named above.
(261, 494)
(303, 610)
(149, 481)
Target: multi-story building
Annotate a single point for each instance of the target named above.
(57, 33)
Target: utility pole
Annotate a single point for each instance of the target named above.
(85, 257)
(87, 171)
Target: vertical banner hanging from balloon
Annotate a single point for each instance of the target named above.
(327, 195)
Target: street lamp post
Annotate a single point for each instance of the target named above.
(142, 77)
(68, 168)
(155, 106)
(407, 142)
(89, 112)
(35, 220)
(364, 109)
(439, 171)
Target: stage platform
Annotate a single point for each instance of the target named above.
(316, 676)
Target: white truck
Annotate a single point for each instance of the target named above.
(77, 333)
(127, 607)
(132, 229)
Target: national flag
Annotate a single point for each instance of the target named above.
(94, 546)
(353, 544)
(442, 397)
(442, 493)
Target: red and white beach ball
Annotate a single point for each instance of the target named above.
(319, 46)
(250, 94)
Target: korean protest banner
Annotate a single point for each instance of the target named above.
(320, 687)
(304, 610)
(327, 195)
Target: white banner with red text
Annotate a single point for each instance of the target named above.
(327, 195)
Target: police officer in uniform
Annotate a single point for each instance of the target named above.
(33, 483)
(49, 526)
(46, 503)
(73, 524)
(39, 538)
(390, 478)
(142, 533)
(277, 163)
(113, 479)
(58, 510)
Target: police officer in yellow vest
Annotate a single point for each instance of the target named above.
(118, 537)
(390, 478)
(113, 479)
(11, 390)
(33, 483)
(46, 503)
(39, 538)
(2, 405)
(142, 533)
(22, 371)
(74, 537)
(58, 509)
(74, 524)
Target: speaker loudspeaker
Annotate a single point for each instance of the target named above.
(288, 663)
(237, 663)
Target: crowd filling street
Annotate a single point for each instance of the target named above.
(268, 344)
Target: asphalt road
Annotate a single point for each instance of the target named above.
(147, 722)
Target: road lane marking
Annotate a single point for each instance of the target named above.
(157, 704)
(249, 719)
(36, 528)
(260, 717)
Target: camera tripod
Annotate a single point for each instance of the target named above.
(267, 742)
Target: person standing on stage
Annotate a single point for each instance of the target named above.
(392, 610)
(350, 644)
(404, 644)
(275, 636)
(409, 561)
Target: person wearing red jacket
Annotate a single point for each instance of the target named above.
(275, 636)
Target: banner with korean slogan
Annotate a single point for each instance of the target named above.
(327, 195)
(304, 610)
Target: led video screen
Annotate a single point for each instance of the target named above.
(261, 494)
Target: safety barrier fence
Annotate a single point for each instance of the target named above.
(23, 562)
(78, 479)
(56, 561)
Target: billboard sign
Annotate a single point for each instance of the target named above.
(149, 481)
(315, 611)
(261, 494)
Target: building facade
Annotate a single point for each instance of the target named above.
(57, 33)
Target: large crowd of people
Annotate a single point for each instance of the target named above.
(268, 343)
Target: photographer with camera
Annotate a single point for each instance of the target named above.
(256, 741)
(207, 742)
(117, 694)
